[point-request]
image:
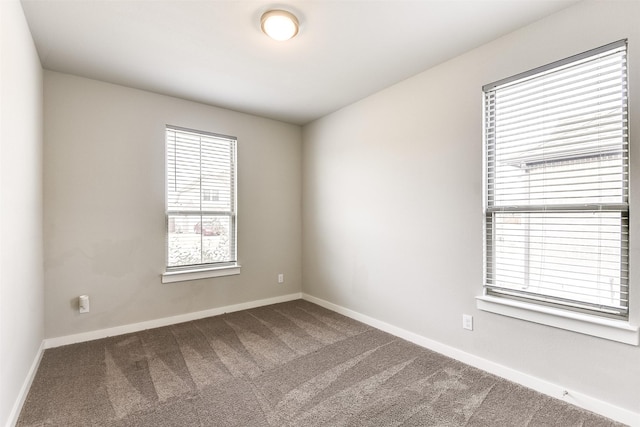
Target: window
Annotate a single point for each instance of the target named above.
(556, 185)
(201, 201)
(210, 195)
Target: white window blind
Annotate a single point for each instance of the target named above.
(201, 199)
(556, 184)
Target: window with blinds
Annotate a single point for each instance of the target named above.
(556, 184)
(201, 199)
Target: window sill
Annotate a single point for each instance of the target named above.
(610, 329)
(204, 273)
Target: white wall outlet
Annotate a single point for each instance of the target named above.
(83, 303)
(467, 321)
(280, 278)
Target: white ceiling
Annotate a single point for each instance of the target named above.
(212, 51)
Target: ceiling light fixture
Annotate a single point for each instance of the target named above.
(279, 24)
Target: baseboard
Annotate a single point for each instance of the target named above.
(578, 399)
(24, 390)
(165, 321)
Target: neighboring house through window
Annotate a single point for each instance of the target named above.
(556, 186)
(201, 203)
(210, 195)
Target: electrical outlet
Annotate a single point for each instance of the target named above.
(83, 303)
(467, 322)
(280, 278)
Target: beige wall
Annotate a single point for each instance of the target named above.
(104, 201)
(392, 207)
(21, 279)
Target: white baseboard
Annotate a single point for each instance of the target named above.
(24, 390)
(578, 399)
(165, 321)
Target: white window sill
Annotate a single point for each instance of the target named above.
(610, 329)
(203, 273)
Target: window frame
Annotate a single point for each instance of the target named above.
(552, 313)
(203, 270)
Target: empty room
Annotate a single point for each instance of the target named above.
(319, 213)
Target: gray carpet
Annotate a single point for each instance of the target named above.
(289, 364)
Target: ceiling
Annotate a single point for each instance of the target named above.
(212, 51)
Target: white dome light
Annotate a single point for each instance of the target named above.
(279, 24)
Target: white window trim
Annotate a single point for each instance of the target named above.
(201, 273)
(610, 329)
(615, 329)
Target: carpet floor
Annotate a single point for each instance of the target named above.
(289, 364)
